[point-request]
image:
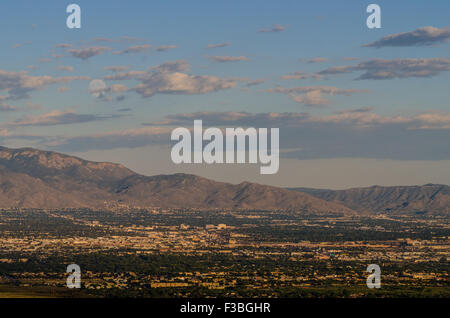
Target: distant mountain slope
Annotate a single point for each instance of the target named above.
(192, 191)
(48, 165)
(430, 198)
(42, 179)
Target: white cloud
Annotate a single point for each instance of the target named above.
(171, 78)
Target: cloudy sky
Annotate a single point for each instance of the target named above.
(355, 106)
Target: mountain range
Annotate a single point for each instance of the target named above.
(31, 178)
(426, 199)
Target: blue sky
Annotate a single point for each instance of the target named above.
(386, 109)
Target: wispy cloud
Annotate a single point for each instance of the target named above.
(312, 95)
(104, 40)
(421, 37)
(380, 69)
(103, 92)
(311, 98)
(63, 45)
(363, 117)
(357, 133)
(317, 60)
(115, 40)
(57, 117)
(18, 45)
(7, 107)
(130, 138)
(45, 60)
(232, 118)
(19, 84)
(255, 82)
(224, 59)
(164, 48)
(63, 89)
(274, 28)
(88, 52)
(134, 49)
(121, 76)
(365, 109)
(215, 46)
(8, 135)
(350, 58)
(115, 68)
(65, 68)
(301, 76)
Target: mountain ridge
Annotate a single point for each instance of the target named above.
(425, 199)
(32, 178)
